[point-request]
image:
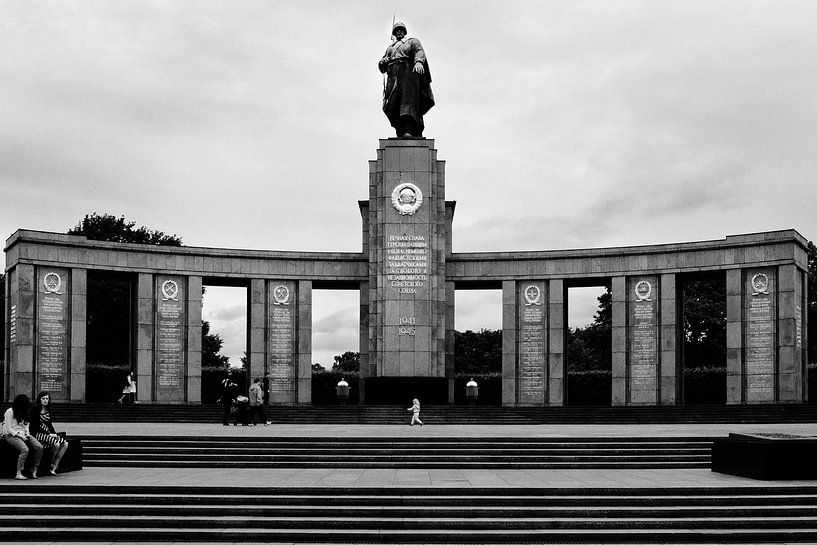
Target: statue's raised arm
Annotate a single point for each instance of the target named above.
(407, 95)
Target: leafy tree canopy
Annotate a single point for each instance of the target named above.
(478, 352)
(348, 362)
(112, 229)
(211, 344)
(318, 368)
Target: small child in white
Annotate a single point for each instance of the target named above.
(415, 409)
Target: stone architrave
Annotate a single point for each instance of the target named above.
(760, 334)
(170, 365)
(643, 340)
(53, 331)
(532, 337)
(282, 365)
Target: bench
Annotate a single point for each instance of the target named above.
(72, 461)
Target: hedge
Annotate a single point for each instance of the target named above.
(589, 387)
(704, 385)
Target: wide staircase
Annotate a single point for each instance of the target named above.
(396, 453)
(448, 414)
(418, 515)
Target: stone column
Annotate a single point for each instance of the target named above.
(256, 328)
(304, 357)
(52, 313)
(734, 337)
(670, 335)
(171, 348)
(21, 301)
(450, 294)
(194, 339)
(509, 343)
(532, 343)
(365, 365)
(79, 321)
(790, 327)
(144, 339)
(619, 340)
(557, 374)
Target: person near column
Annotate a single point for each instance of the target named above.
(265, 388)
(129, 391)
(227, 398)
(42, 428)
(415, 412)
(257, 403)
(16, 433)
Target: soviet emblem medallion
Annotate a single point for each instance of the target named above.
(406, 199)
(170, 290)
(532, 295)
(760, 284)
(643, 290)
(52, 283)
(280, 295)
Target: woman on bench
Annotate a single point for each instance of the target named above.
(16, 434)
(44, 431)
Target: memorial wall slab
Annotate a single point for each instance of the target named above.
(53, 330)
(760, 334)
(282, 338)
(532, 339)
(643, 339)
(170, 365)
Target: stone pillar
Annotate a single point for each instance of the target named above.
(193, 339)
(7, 322)
(450, 294)
(283, 360)
(256, 304)
(804, 333)
(365, 365)
(734, 337)
(509, 343)
(790, 327)
(21, 301)
(407, 251)
(304, 356)
(79, 321)
(557, 334)
(144, 339)
(670, 336)
(760, 339)
(643, 345)
(619, 340)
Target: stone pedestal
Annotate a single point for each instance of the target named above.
(407, 246)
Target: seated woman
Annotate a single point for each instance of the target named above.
(43, 429)
(16, 434)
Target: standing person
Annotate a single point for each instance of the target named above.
(43, 430)
(415, 412)
(129, 391)
(257, 403)
(228, 393)
(265, 388)
(16, 433)
(407, 94)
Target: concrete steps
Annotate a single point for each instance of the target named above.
(389, 453)
(88, 513)
(449, 414)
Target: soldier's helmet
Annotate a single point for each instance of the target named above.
(398, 24)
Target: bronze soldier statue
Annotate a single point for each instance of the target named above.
(407, 94)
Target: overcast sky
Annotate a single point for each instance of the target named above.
(568, 124)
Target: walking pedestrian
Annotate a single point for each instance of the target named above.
(415, 412)
(257, 403)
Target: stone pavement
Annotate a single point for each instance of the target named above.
(465, 478)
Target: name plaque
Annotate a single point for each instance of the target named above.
(532, 345)
(760, 337)
(281, 342)
(171, 336)
(52, 331)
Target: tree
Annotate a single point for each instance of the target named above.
(318, 368)
(112, 229)
(478, 352)
(211, 344)
(589, 347)
(704, 315)
(348, 362)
